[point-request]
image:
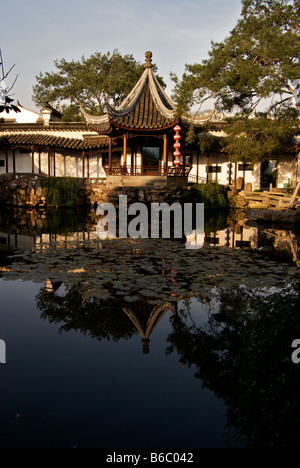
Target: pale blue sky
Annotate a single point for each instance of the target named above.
(36, 32)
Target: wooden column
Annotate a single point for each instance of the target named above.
(230, 174)
(235, 174)
(6, 158)
(88, 165)
(14, 161)
(142, 162)
(54, 163)
(83, 164)
(125, 151)
(197, 166)
(32, 159)
(184, 159)
(40, 162)
(132, 160)
(165, 153)
(207, 167)
(49, 161)
(110, 154)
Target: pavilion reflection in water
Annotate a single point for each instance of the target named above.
(146, 318)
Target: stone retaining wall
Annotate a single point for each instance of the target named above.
(27, 191)
(21, 191)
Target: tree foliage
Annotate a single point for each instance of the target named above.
(254, 72)
(212, 195)
(258, 138)
(91, 81)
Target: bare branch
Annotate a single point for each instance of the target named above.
(12, 85)
(5, 76)
(2, 64)
(277, 104)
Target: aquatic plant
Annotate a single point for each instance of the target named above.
(61, 192)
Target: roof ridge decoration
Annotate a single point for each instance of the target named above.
(156, 91)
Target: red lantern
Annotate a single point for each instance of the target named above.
(177, 146)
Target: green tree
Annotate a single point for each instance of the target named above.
(254, 75)
(92, 81)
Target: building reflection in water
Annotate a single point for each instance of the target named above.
(284, 241)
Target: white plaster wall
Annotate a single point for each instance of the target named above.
(217, 160)
(10, 162)
(96, 168)
(73, 166)
(23, 163)
(253, 177)
(66, 165)
(44, 163)
(25, 116)
(193, 161)
(59, 165)
(287, 171)
(222, 177)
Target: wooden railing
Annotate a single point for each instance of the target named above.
(179, 171)
(274, 199)
(193, 179)
(118, 170)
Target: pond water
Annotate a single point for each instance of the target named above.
(143, 343)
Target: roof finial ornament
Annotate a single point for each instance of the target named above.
(148, 56)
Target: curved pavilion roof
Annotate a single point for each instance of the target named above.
(147, 107)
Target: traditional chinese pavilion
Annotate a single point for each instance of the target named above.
(144, 123)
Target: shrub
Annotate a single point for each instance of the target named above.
(61, 192)
(213, 195)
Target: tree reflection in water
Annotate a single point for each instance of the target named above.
(96, 318)
(243, 354)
